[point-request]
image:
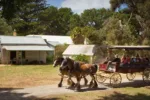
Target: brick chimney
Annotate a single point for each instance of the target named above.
(14, 33)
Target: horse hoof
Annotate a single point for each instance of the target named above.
(85, 84)
(73, 85)
(59, 85)
(94, 86)
(77, 89)
(69, 87)
(90, 85)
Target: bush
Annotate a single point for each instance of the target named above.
(82, 58)
(49, 58)
(59, 49)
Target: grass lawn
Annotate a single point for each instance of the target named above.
(18, 76)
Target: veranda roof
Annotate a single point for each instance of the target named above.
(28, 48)
(131, 47)
(79, 49)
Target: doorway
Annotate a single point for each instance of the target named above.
(13, 57)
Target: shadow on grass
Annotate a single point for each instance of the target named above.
(8, 94)
(120, 96)
(134, 84)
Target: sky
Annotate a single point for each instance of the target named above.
(78, 6)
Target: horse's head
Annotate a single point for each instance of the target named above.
(67, 62)
(58, 61)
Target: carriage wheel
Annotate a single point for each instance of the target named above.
(115, 79)
(130, 76)
(146, 75)
(100, 78)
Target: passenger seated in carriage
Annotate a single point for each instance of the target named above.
(106, 60)
(116, 60)
(145, 60)
(133, 60)
(138, 59)
(125, 60)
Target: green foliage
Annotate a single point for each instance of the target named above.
(49, 21)
(55, 21)
(50, 58)
(26, 20)
(96, 26)
(64, 20)
(118, 33)
(77, 36)
(82, 58)
(132, 4)
(97, 37)
(10, 7)
(5, 29)
(95, 17)
(75, 21)
(139, 10)
(59, 49)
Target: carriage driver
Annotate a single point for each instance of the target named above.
(116, 60)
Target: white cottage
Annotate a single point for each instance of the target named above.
(88, 50)
(21, 49)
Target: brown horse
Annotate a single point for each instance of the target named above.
(64, 71)
(80, 69)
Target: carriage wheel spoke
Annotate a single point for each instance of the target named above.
(100, 78)
(146, 75)
(130, 76)
(115, 79)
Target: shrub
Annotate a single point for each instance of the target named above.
(82, 58)
(59, 49)
(50, 57)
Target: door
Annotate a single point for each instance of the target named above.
(13, 56)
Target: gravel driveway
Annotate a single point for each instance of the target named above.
(45, 90)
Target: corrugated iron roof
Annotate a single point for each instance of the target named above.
(53, 43)
(79, 49)
(28, 48)
(54, 38)
(130, 47)
(21, 40)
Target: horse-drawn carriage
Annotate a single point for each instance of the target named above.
(113, 70)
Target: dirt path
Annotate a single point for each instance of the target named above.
(42, 91)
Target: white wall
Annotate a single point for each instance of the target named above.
(5, 56)
(36, 55)
(29, 55)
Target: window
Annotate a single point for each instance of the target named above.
(23, 54)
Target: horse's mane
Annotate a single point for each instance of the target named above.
(69, 59)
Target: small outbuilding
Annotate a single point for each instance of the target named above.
(88, 50)
(22, 49)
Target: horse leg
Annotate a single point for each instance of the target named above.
(95, 85)
(85, 80)
(70, 82)
(91, 83)
(78, 83)
(60, 83)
